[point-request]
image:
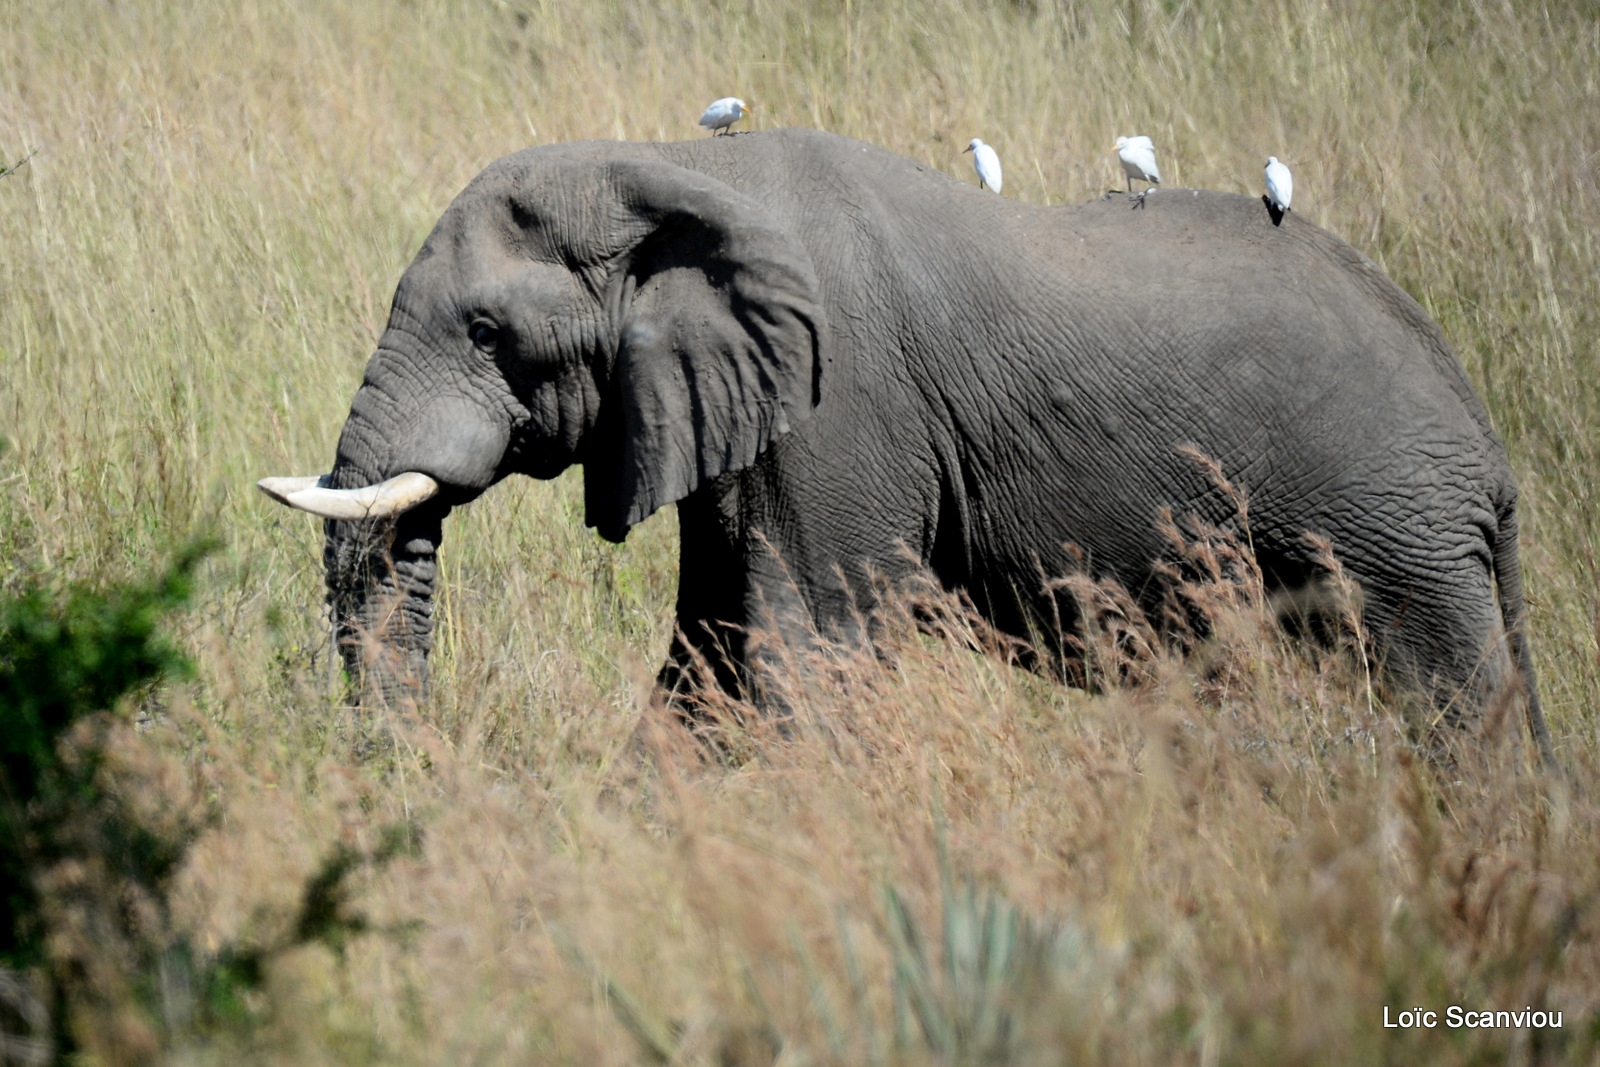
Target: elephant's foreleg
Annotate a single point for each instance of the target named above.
(708, 645)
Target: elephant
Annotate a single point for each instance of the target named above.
(847, 368)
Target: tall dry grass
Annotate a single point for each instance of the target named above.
(1232, 861)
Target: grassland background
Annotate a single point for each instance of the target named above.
(194, 267)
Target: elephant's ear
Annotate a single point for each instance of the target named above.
(719, 346)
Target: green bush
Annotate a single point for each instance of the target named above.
(65, 656)
(86, 870)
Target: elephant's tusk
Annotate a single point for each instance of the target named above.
(382, 501)
(280, 489)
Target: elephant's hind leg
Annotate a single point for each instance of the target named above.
(1445, 643)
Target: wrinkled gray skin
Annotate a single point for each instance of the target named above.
(839, 362)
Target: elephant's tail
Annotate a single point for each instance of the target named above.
(1508, 576)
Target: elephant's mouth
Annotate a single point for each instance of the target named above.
(382, 500)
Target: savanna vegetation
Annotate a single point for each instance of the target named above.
(1238, 857)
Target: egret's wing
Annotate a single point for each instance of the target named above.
(1141, 141)
(1144, 155)
(719, 111)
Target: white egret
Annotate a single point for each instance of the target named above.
(1280, 184)
(986, 163)
(724, 113)
(1138, 155)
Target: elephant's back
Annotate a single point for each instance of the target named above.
(1289, 358)
(1224, 259)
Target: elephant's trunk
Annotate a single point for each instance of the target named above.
(381, 576)
(380, 548)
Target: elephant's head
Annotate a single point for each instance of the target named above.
(639, 318)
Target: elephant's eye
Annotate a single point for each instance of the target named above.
(485, 335)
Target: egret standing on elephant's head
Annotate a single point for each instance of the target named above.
(986, 162)
(1138, 156)
(1280, 185)
(722, 114)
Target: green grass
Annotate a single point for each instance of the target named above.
(199, 256)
